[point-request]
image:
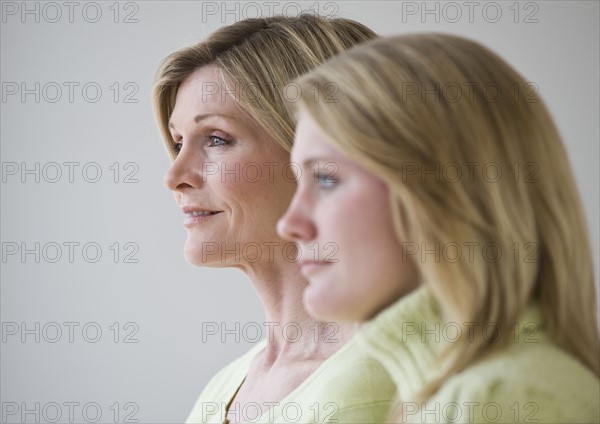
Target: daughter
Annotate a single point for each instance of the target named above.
(445, 215)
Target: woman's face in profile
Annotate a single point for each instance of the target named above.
(341, 219)
(227, 177)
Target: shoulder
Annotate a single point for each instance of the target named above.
(535, 382)
(353, 386)
(230, 376)
(353, 365)
(222, 386)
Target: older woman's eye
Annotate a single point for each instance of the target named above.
(176, 148)
(216, 141)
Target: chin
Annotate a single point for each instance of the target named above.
(313, 304)
(325, 308)
(193, 259)
(195, 255)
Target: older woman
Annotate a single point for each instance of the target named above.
(221, 107)
(462, 241)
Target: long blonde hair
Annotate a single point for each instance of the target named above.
(257, 58)
(434, 101)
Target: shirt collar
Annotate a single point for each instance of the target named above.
(409, 337)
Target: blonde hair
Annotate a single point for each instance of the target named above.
(257, 58)
(397, 106)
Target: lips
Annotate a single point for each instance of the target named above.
(309, 268)
(195, 215)
(200, 213)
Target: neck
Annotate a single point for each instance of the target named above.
(292, 334)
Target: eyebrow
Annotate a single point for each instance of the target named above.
(309, 161)
(201, 117)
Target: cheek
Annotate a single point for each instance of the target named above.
(344, 220)
(254, 199)
(251, 181)
(232, 190)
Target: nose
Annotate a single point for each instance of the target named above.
(185, 171)
(297, 224)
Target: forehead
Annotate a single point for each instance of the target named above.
(310, 141)
(203, 92)
(312, 144)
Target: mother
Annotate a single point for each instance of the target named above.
(220, 105)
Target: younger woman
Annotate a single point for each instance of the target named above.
(460, 235)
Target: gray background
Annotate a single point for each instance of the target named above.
(160, 301)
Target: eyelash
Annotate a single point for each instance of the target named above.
(176, 146)
(212, 138)
(326, 182)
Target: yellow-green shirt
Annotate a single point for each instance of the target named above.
(348, 387)
(532, 380)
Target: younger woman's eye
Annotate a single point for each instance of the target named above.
(326, 181)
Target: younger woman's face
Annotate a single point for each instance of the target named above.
(340, 218)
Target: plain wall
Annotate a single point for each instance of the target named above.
(141, 289)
